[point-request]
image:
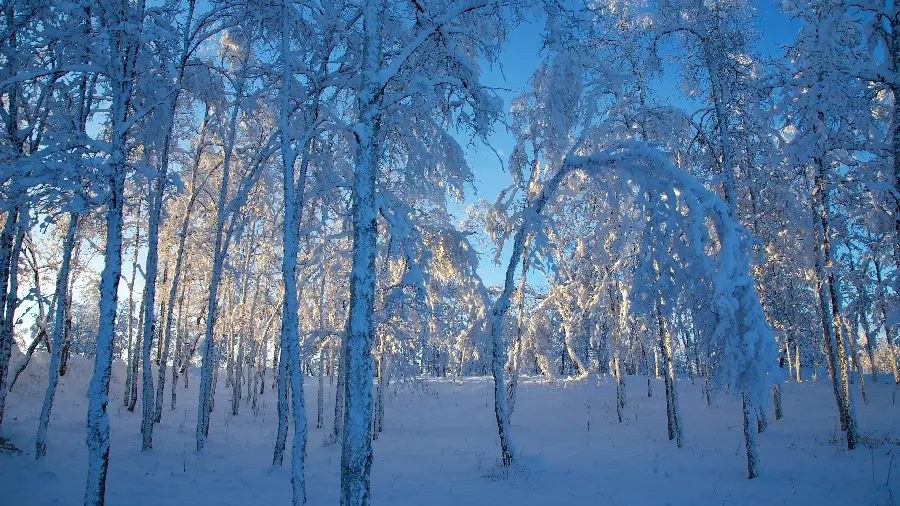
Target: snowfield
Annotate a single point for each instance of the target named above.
(440, 447)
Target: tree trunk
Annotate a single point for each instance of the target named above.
(149, 303)
(238, 375)
(209, 362)
(282, 381)
(356, 455)
(124, 54)
(136, 363)
(67, 331)
(749, 440)
(762, 423)
(131, 366)
(854, 358)
(517, 351)
(777, 395)
(833, 346)
(337, 432)
(320, 402)
(294, 199)
(356, 448)
(580, 370)
(665, 348)
(618, 309)
(10, 248)
(62, 287)
(378, 424)
(179, 363)
(320, 399)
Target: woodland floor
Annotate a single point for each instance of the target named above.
(439, 447)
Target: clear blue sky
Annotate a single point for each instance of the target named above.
(520, 57)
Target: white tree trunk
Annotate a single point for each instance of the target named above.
(293, 208)
(10, 245)
(337, 432)
(132, 364)
(148, 317)
(62, 287)
(98, 391)
(356, 445)
(320, 404)
(209, 361)
(827, 297)
(179, 360)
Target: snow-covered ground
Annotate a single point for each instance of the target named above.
(439, 447)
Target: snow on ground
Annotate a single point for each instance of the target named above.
(440, 447)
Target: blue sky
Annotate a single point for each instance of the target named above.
(521, 56)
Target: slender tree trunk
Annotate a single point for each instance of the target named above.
(149, 304)
(617, 309)
(261, 367)
(282, 381)
(238, 375)
(507, 449)
(706, 386)
(98, 391)
(863, 311)
(320, 404)
(229, 355)
(131, 366)
(517, 351)
(294, 199)
(790, 362)
(377, 422)
(10, 248)
(123, 54)
(67, 331)
(210, 363)
(339, 398)
(778, 408)
(180, 360)
(833, 348)
(670, 423)
(214, 381)
(62, 286)
(665, 347)
(176, 280)
(356, 448)
(749, 440)
(165, 342)
(854, 357)
(894, 51)
(840, 341)
(136, 363)
(647, 367)
(656, 361)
